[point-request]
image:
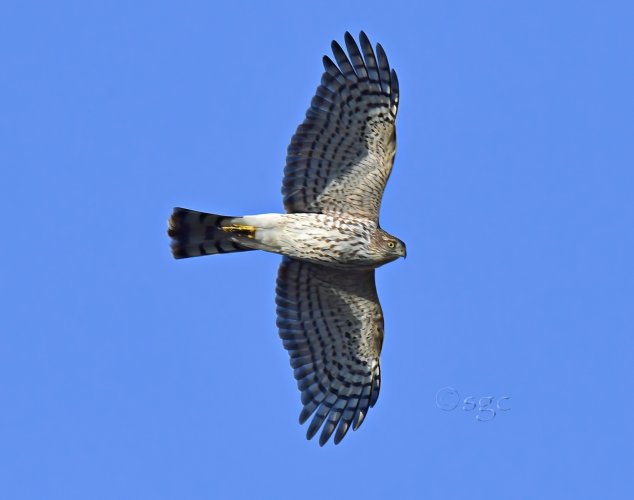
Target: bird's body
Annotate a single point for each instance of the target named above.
(329, 240)
(328, 312)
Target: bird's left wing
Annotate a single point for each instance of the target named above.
(341, 156)
(331, 324)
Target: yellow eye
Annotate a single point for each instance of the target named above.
(391, 244)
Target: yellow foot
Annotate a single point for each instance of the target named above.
(248, 231)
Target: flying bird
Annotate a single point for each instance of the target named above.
(328, 311)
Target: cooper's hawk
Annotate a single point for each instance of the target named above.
(328, 311)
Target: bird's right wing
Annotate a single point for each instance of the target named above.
(331, 324)
(341, 156)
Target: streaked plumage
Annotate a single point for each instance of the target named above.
(328, 311)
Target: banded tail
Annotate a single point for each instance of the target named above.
(198, 233)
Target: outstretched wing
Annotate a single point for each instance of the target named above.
(341, 156)
(331, 324)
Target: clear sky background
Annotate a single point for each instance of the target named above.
(125, 374)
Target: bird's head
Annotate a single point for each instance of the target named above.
(391, 247)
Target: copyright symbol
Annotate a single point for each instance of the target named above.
(447, 398)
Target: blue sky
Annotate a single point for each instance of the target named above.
(126, 374)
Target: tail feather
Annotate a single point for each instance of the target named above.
(198, 233)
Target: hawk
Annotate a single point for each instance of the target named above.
(328, 311)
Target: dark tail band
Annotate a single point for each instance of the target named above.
(198, 233)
